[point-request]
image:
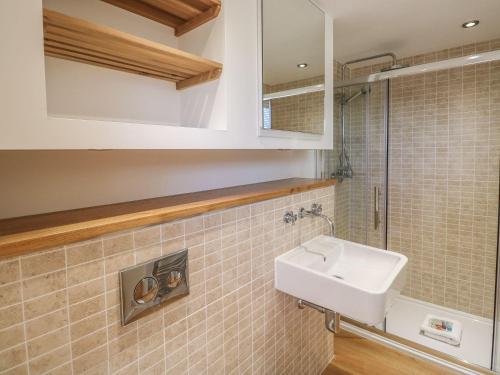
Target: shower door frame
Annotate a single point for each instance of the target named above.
(495, 348)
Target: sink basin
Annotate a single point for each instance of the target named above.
(354, 280)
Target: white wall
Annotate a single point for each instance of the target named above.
(44, 181)
(82, 91)
(34, 182)
(230, 121)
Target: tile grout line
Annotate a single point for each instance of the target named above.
(23, 313)
(163, 328)
(106, 307)
(136, 323)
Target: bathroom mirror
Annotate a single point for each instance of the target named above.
(293, 66)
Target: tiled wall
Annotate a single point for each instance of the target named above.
(299, 113)
(61, 307)
(444, 164)
(444, 143)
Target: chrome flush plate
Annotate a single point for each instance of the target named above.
(146, 285)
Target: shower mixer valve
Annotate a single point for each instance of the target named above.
(290, 217)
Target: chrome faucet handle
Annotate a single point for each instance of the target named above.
(316, 208)
(290, 217)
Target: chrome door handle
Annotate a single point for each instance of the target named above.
(376, 218)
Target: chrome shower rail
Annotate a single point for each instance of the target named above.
(422, 68)
(380, 55)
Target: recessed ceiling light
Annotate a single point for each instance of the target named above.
(469, 24)
(302, 65)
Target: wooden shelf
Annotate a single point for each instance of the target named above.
(31, 233)
(74, 39)
(182, 15)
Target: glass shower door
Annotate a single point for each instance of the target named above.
(360, 198)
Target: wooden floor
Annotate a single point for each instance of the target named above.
(357, 355)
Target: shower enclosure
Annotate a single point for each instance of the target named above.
(416, 156)
(360, 166)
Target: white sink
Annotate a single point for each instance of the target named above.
(354, 280)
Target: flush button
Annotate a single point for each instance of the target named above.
(146, 290)
(146, 285)
(173, 279)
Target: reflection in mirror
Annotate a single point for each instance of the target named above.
(293, 63)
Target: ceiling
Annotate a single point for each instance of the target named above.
(292, 34)
(368, 27)
(408, 27)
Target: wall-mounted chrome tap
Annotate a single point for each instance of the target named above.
(316, 210)
(290, 217)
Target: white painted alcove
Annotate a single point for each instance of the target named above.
(39, 110)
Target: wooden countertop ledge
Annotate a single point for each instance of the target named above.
(27, 234)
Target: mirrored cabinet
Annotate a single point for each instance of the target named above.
(295, 46)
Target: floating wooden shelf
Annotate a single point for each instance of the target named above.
(74, 39)
(31, 233)
(182, 15)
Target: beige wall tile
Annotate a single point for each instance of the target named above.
(10, 316)
(10, 294)
(12, 358)
(88, 343)
(93, 360)
(48, 342)
(49, 361)
(46, 323)
(116, 244)
(61, 370)
(11, 336)
(117, 262)
(147, 236)
(150, 358)
(147, 253)
(172, 230)
(43, 263)
(9, 271)
(89, 307)
(84, 252)
(19, 370)
(88, 325)
(44, 284)
(72, 310)
(156, 369)
(85, 272)
(45, 304)
(85, 291)
(193, 225)
(123, 358)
